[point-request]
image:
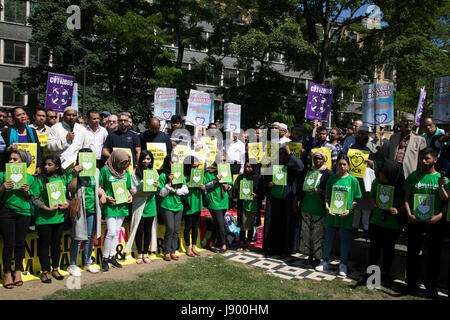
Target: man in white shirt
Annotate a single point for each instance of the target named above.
(236, 155)
(67, 133)
(283, 133)
(40, 117)
(97, 135)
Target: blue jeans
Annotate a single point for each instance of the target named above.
(88, 246)
(345, 243)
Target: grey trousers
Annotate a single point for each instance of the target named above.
(172, 221)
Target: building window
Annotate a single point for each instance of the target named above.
(388, 72)
(10, 97)
(33, 6)
(229, 76)
(15, 11)
(36, 57)
(14, 52)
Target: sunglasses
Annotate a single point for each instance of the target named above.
(53, 117)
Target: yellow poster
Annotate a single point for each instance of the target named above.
(43, 137)
(130, 168)
(181, 152)
(327, 153)
(159, 151)
(212, 146)
(296, 148)
(32, 149)
(255, 151)
(358, 162)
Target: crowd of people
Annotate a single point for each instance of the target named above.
(296, 218)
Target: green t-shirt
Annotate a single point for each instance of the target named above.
(38, 190)
(216, 202)
(420, 183)
(89, 191)
(349, 184)
(106, 180)
(150, 207)
(392, 220)
(195, 200)
(15, 199)
(172, 201)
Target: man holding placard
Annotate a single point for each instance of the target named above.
(425, 203)
(154, 136)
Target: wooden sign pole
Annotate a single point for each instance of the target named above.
(316, 122)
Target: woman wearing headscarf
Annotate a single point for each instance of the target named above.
(115, 169)
(313, 208)
(15, 215)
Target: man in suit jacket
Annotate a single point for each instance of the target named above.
(404, 146)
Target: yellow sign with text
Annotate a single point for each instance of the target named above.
(296, 148)
(32, 149)
(159, 151)
(256, 151)
(358, 162)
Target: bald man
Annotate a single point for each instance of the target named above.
(154, 135)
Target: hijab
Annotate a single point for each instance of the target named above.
(324, 157)
(114, 160)
(394, 173)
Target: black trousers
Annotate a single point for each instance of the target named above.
(218, 234)
(49, 236)
(13, 227)
(432, 235)
(144, 232)
(382, 239)
(191, 226)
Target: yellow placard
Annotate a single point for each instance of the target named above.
(159, 151)
(358, 162)
(327, 153)
(256, 151)
(43, 137)
(181, 152)
(32, 149)
(212, 146)
(127, 150)
(296, 148)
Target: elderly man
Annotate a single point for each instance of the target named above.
(104, 118)
(112, 123)
(404, 146)
(430, 130)
(351, 139)
(123, 138)
(67, 133)
(51, 118)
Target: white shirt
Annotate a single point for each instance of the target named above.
(57, 142)
(236, 152)
(97, 139)
(46, 128)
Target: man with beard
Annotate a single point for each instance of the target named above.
(425, 189)
(66, 133)
(404, 146)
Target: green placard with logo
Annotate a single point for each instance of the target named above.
(311, 180)
(177, 171)
(385, 196)
(338, 203)
(196, 178)
(246, 190)
(150, 177)
(17, 173)
(56, 193)
(224, 169)
(423, 206)
(120, 191)
(89, 163)
(279, 176)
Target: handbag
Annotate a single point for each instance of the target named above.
(186, 204)
(75, 208)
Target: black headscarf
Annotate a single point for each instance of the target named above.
(394, 173)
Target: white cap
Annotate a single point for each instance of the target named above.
(283, 126)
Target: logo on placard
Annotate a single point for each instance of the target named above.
(357, 160)
(381, 118)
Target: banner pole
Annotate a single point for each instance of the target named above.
(316, 122)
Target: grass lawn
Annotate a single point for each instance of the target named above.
(215, 278)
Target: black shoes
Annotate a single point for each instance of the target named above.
(105, 265)
(114, 263)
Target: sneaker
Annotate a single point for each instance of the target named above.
(114, 263)
(92, 269)
(343, 270)
(105, 264)
(74, 271)
(323, 266)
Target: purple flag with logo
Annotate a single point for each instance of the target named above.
(59, 92)
(320, 98)
(420, 104)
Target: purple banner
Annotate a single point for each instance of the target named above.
(59, 92)
(420, 104)
(320, 98)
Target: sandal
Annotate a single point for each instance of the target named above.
(194, 251)
(45, 278)
(57, 275)
(147, 260)
(18, 283)
(139, 259)
(8, 285)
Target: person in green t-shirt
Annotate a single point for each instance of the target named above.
(144, 209)
(247, 210)
(84, 227)
(15, 214)
(49, 220)
(312, 233)
(349, 185)
(429, 184)
(114, 171)
(172, 205)
(192, 216)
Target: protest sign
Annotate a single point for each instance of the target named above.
(165, 103)
(441, 100)
(224, 169)
(159, 151)
(17, 173)
(327, 153)
(255, 151)
(420, 104)
(296, 148)
(59, 92)
(423, 206)
(338, 203)
(311, 180)
(279, 176)
(378, 104)
(385, 196)
(56, 193)
(120, 191)
(32, 149)
(232, 117)
(150, 177)
(199, 109)
(320, 98)
(75, 96)
(246, 190)
(196, 178)
(89, 163)
(177, 171)
(358, 162)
